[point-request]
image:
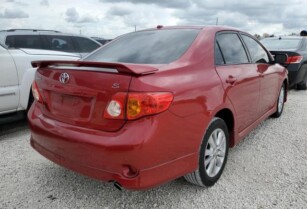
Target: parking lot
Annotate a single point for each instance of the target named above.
(268, 169)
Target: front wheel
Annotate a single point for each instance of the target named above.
(280, 102)
(213, 155)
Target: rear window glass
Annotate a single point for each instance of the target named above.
(147, 47)
(280, 44)
(23, 41)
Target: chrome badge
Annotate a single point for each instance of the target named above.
(64, 78)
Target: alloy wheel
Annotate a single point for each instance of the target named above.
(215, 152)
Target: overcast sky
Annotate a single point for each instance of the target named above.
(110, 18)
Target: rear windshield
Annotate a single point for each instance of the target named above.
(147, 47)
(281, 44)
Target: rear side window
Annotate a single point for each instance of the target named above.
(232, 48)
(58, 43)
(257, 53)
(24, 41)
(86, 45)
(147, 47)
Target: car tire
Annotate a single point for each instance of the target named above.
(213, 155)
(280, 102)
(302, 85)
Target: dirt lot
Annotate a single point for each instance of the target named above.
(268, 169)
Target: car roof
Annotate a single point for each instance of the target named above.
(211, 28)
(31, 31)
(35, 32)
(5, 33)
(284, 37)
(217, 27)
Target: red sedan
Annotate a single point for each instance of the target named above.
(157, 104)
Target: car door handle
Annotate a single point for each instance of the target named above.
(231, 80)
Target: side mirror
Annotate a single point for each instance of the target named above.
(281, 58)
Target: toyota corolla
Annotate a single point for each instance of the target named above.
(155, 105)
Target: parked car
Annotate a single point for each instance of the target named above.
(49, 40)
(296, 49)
(17, 76)
(155, 105)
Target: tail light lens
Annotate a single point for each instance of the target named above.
(294, 59)
(135, 105)
(141, 104)
(36, 94)
(116, 107)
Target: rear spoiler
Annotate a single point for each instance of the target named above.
(136, 69)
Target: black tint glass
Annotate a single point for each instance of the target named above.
(86, 45)
(24, 41)
(257, 53)
(58, 43)
(147, 47)
(232, 48)
(219, 60)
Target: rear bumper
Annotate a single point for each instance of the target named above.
(296, 73)
(139, 156)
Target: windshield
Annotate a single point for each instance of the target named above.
(147, 47)
(281, 44)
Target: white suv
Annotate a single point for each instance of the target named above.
(16, 77)
(49, 40)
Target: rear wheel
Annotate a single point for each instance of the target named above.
(302, 85)
(280, 102)
(213, 155)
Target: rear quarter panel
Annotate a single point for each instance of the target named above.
(198, 95)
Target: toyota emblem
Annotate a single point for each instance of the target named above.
(64, 78)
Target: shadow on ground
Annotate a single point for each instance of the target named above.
(13, 127)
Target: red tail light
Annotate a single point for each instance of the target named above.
(136, 105)
(294, 59)
(36, 94)
(141, 104)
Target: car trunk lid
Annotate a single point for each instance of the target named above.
(77, 92)
(293, 57)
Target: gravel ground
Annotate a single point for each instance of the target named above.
(268, 169)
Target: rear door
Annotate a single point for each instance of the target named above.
(239, 77)
(9, 92)
(269, 80)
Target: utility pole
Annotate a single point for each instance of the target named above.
(217, 21)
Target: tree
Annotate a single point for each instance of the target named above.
(293, 34)
(266, 35)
